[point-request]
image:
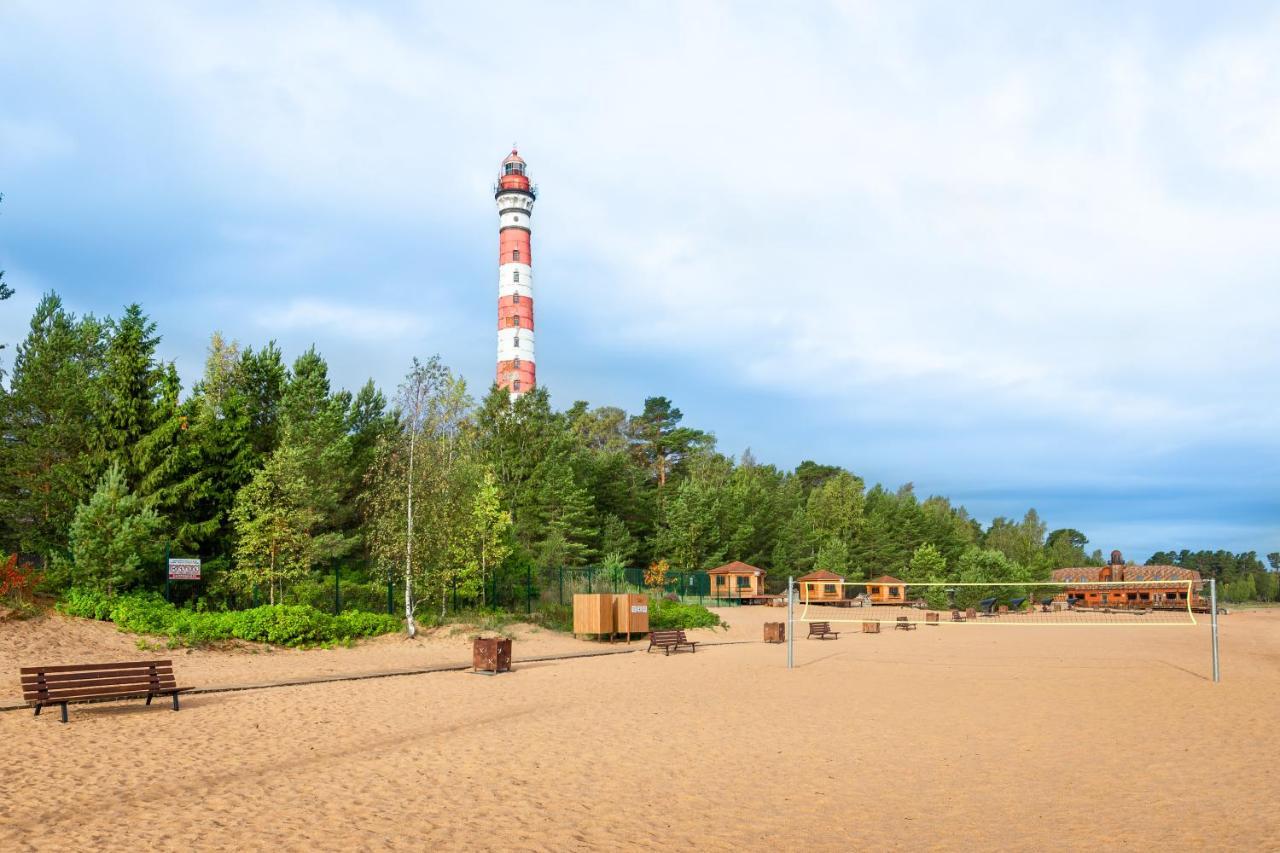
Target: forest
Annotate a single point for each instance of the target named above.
(272, 476)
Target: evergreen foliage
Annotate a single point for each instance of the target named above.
(273, 477)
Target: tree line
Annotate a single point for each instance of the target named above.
(269, 473)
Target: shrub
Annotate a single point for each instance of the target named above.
(668, 615)
(279, 624)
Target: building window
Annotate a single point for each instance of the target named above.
(517, 363)
(719, 580)
(829, 588)
(515, 385)
(515, 321)
(515, 275)
(515, 254)
(515, 298)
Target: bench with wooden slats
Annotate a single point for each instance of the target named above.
(668, 640)
(822, 630)
(92, 682)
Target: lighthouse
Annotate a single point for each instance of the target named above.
(514, 196)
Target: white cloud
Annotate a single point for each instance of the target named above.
(340, 320)
(934, 215)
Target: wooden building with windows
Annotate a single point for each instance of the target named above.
(887, 589)
(820, 586)
(738, 580)
(1145, 593)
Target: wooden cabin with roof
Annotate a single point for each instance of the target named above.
(1145, 592)
(738, 580)
(821, 586)
(887, 589)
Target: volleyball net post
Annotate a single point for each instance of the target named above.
(1213, 620)
(791, 623)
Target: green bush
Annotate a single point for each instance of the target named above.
(668, 615)
(280, 624)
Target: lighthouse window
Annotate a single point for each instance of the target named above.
(515, 254)
(516, 363)
(515, 275)
(516, 385)
(516, 321)
(515, 298)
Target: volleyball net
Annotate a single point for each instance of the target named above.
(1129, 603)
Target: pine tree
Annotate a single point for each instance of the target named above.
(113, 536)
(50, 460)
(274, 520)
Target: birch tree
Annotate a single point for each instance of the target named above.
(419, 494)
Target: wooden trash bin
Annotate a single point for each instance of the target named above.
(931, 617)
(775, 632)
(971, 613)
(593, 614)
(631, 614)
(871, 627)
(491, 655)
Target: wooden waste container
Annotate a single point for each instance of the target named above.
(871, 627)
(971, 613)
(775, 632)
(593, 613)
(631, 614)
(931, 617)
(491, 654)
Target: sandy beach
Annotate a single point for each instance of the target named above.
(940, 738)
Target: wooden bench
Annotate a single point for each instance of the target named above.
(821, 630)
(669, 640)
(91, 682)
(904, 623)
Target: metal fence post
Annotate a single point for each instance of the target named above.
(561, 573)
(1213, 621)
(337, 589)
(791, 627)
(528, 588)
(390, 606)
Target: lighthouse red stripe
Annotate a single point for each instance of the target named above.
(512, 241)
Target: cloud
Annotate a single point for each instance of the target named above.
(339, 320)
(1047, 236)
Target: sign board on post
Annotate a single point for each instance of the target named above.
(184, 569)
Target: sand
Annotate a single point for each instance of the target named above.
(951, 737)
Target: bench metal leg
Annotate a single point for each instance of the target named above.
(64, 712)
(175, 701)
(37, 713)
(148, 698)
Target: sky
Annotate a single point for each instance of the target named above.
(1023, 257)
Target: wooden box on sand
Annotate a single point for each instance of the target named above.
(593, 613)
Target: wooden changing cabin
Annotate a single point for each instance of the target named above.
(887, 589)
(737, 580)
(821, 586)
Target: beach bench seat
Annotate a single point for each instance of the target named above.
(904, 623)
(1046, 604)
(987, 606)
(957, 616)
(668, 641)
(822, 630)
(92, 682)
(1016, 604)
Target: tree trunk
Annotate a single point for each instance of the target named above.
(408, 550)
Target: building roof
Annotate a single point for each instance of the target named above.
(513, 157)
(821, 575)
(737, 567)
(1128, 573)
(887, 579)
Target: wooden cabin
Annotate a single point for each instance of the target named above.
(821, 585)
(887, 589)
(737, 580)
(1146, 593)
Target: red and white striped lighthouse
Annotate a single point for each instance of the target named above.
(514, 195)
